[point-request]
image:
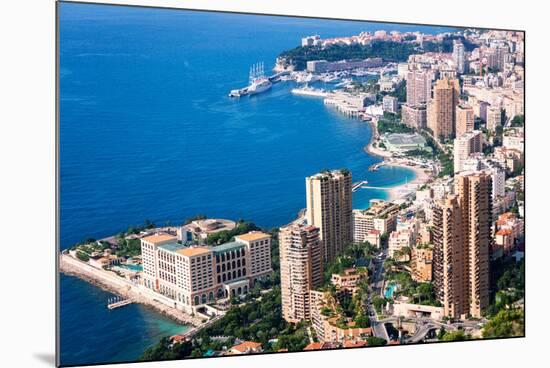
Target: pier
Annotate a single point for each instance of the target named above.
(118, 302)
(254, 75)
(358, 185)
(377, 166)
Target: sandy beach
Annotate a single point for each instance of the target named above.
(422, 176)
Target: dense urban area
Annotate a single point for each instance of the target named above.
(440, 259)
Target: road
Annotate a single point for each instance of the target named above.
(377, 285)
(423, 325)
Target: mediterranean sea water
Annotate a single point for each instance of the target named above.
(147, 132)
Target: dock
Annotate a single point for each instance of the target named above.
(117, 302)
(358, 185)
(244, 91)
(377, 166)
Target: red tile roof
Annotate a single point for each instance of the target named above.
(314, 346)
(246, 346)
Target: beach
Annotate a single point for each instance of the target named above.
(422, 176)
(400, 191)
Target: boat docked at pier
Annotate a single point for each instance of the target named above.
(257, 82)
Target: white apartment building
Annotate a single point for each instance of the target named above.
(380, 216)
(399, 240)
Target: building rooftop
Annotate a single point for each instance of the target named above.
(252, 236)
(227, 247)
(405, 139)
(314, 346)
(246, 346)
(353, 344)
(172, 247)
(193, 251)
(159, 237)
(504, 232)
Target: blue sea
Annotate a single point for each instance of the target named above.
(147, 132)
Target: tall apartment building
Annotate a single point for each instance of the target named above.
(479, 162)
(328, 198)
(301, 259)
(414, 116)
(464, 146)
(464, 119)
(419, 86)
(450, 271)
(192, 276)
(474, 191)
(462, 242)
(441, 110)
(459, 56)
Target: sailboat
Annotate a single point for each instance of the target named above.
(258, 82)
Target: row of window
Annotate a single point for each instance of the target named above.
(229, 255)
(231, 275)
(230, 265)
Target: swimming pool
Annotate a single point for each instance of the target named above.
(132, 267)
(390, 289)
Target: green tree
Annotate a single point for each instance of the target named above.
(456, 336)
(506, 323)
(376, 341)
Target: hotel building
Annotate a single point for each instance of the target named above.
(328, 198)
(193, 276)
(301, 258)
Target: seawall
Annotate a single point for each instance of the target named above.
(111, 282)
